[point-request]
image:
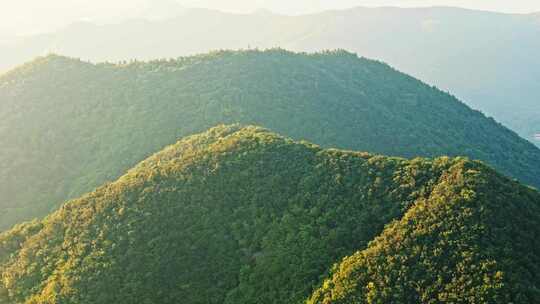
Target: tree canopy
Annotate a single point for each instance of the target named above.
(239, 214)
(67, 127)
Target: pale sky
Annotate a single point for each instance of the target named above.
(33, 16)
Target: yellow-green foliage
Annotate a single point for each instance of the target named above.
(242, 215)
(67, 127)
(474, 239)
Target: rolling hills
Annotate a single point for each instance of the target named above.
(69, 126)
(242, 215)
(486, 59)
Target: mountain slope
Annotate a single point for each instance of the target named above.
(232, 215)
(486, 59)
(70, 126)
(459, 245)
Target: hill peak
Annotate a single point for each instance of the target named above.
(214, 213)
(108, 117)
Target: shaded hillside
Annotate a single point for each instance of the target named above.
(69, 126)
(242, 215)
(487, 59)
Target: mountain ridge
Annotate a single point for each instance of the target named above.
(72, 125)
(469, 233)
(430, 44)
(237, 214)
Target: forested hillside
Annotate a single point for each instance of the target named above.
(487, 59)
(473, 239)
(242, 215)
(68, 126)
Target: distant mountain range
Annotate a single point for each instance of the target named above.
(486, 59)
(68, 126)
(239, 214)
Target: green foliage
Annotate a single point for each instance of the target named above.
(473, 240)
(242, 215)
(67, 126)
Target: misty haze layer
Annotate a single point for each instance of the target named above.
(25, 17)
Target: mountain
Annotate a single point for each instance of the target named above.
(456, 245)
(69, 126)
(486, 59)
(242, 215)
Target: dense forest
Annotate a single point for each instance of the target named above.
(491, 68)
(68, 126)
(473, 239)
(239, 214)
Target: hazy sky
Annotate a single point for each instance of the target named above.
(32, 16)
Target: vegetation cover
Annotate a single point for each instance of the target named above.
(491, 68)
(68, 126)
(474, 239)
(242, 215)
